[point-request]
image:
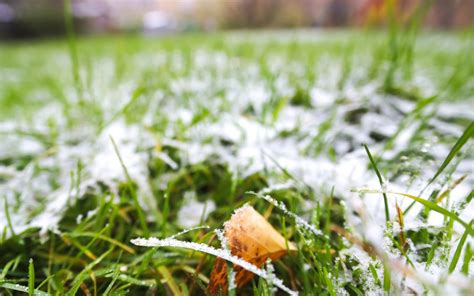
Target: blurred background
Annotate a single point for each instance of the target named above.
(40, 18)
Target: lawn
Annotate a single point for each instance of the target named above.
(356, 146)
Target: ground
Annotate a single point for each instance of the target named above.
(107, 139)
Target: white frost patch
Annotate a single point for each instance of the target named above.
(322, 98)
(99, 163)
(193, 211)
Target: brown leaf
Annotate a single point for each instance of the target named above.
(251, 238)
(402, 226)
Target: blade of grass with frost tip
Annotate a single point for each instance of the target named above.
(299, 221)
(31, 277)
(457, 253)
(468, 133)
(20, 288)
(431, 205)
(221, 253)
(141, 216)
(379, 176)
(166, 209)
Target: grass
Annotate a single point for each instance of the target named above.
(215, 121)
(381, 181)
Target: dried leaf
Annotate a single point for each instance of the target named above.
(252, 238)
(402, 226)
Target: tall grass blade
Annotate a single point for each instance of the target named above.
(387, 280)
(468, 133)
(31, 278)
(381, 181)
(115, 276)
(457, 253)
(71, 38)
(467, 260)
(76, 283)
(141, 215)
(165, 273)
(9, 220)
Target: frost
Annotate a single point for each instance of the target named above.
(102, 165)
(225, 246)
(189, 230)
(299, 221)
(193, 211)
(221, 253)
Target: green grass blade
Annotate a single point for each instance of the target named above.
(76, 283)
(104, 238)
(112, 282)
(467, 260)
(141, 215)
(387, 280)
(20, 288)
(375, 276)
(165, 273)
(468, 133)
(31, 278)
(9, 220)
(457, 253)
(379, 176)
(7, 267)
